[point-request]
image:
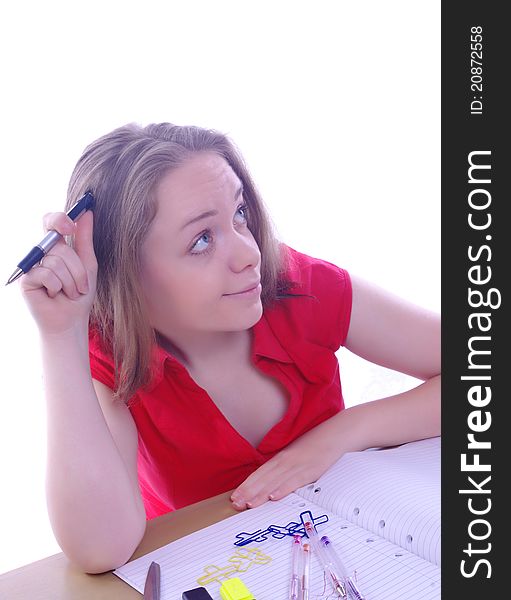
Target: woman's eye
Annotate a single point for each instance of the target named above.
(241, 213)
(202, 243)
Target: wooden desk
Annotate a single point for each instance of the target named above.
(55, 578)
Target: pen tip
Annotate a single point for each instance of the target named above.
(14, 276)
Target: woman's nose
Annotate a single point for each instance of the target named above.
(243, 252)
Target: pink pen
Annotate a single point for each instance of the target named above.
(294, 591)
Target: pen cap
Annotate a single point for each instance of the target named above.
(296, 547)
(313, 537)
(86, 202)
(306, 557)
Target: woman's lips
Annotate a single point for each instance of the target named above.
(248, 291)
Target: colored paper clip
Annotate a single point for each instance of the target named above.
(235, 589)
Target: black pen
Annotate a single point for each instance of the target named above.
(38, 252)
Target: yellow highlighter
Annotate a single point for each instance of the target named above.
(235, 589)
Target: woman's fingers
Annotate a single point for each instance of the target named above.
(63, 271)
(272, 481)
(60, 222)
(83, 241)
(271, 489)
(66, 269)
(298, 464)
(60, 290)
(75, 263)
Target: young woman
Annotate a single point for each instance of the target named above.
(187, 352)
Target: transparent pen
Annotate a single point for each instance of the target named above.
(335, 559)
(328, 565)
(294, 590)
(306, 571)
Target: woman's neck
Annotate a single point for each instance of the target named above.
(207, 350)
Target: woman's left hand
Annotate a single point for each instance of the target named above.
(301, 462)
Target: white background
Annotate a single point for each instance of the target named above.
(334, 104)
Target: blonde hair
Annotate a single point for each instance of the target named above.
(122, 169)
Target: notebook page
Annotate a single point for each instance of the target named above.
(394, 493)
(209, 556)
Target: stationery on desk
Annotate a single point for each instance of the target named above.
(152, 582)
(349, 581)
(377, 517)
(296, 553)
(306, 571)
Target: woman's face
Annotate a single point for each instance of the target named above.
(199, 257)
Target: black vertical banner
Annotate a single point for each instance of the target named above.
(476, 259)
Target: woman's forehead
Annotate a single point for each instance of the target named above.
(200, 176)
(193, 188)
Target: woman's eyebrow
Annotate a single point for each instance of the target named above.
(209, 213)
(204, 215)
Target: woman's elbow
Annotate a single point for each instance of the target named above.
(105, 556)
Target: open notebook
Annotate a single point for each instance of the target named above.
(380, 508)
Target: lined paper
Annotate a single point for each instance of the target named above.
(393, 493)
(385, 571)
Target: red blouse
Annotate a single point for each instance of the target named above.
(187, 449)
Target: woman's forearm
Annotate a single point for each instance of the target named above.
(94, 505)
(408, 416)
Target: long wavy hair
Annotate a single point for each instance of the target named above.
(122, 169)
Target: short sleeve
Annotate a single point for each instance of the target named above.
(101, 364)
(325, 310)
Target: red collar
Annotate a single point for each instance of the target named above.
(264, 343)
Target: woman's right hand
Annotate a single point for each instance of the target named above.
(60, 291)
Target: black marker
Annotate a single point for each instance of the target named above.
(38, 252)
(200, 593)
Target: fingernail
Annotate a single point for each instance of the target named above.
(84, 287)
(69, 228)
